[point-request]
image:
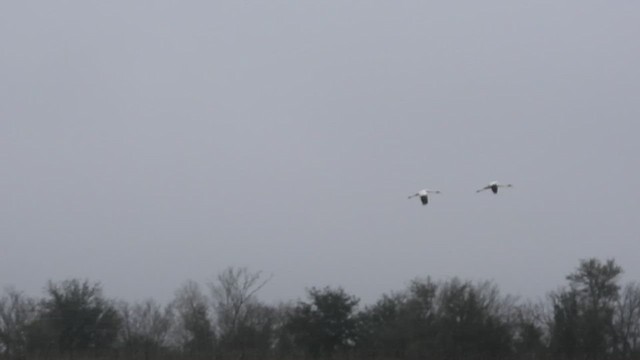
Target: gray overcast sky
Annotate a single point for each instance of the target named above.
(144, 143)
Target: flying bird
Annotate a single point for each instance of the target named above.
(494, 186)
(424, 195)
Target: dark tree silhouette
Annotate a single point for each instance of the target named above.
(529, 330)
(583, 314)
(627, 321)
(194, 320)
(74, 318)
(145, 327)
(326, 324)
(565, 337)
(592, 317)
(16, 313)
(597, 288)
(468, 321)
(387, 328)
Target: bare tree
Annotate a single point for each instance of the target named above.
(530, 329)
(145, 327)
(233, 294)
(236, 307)
(194, 325)
(627, 320)
(16, 313)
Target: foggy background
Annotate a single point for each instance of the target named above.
(147, 143)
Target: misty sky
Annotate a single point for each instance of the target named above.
(146, 143)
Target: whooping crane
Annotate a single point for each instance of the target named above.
(424, 195)
(494, 185)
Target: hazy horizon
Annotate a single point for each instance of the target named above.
(150, 143)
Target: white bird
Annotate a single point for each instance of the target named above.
(494, 185)
(424, 195)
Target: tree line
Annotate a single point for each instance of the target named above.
(593, 316)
